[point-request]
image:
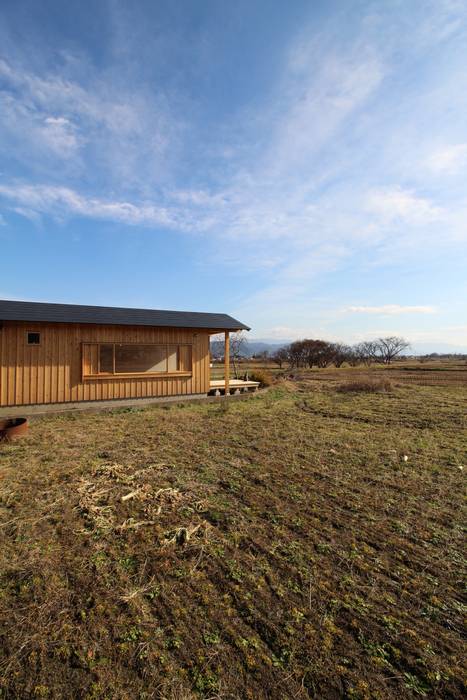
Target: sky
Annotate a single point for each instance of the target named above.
(299, 165)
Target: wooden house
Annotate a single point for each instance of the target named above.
(59, 353)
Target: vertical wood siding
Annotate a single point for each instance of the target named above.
(52, 371)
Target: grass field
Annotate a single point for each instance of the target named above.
(301, 543)
(434, 372)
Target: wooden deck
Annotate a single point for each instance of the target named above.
(236, 386)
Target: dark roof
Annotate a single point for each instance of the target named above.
(109, 315)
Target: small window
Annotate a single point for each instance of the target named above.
(33, 338)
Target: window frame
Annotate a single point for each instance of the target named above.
(33, 345)
(132, 375)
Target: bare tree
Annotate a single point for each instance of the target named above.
(309, 352)
(390, 347)
(296, 353)
(323, 353)
(358, 354)
(317, 352)
(217, 348)
(340, 353)
(354, 358)
(280, 356)
(238, 348)
(367, 351)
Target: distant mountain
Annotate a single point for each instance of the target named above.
(254, 347)
(440, 348)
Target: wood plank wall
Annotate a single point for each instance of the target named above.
(52, 371)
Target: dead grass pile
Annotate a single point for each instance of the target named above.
(262, 376)
(287, 384)
(112, 497)
(379, 386)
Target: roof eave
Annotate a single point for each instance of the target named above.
(210, 329)
(42, 312)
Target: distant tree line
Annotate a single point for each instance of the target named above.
(314, 353)
(320, 353)
(443, 356)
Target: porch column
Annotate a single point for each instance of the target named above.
(227, 362)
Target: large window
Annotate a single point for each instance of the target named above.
(104, 359)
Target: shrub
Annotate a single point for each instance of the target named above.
(261, 376)
(367, 386)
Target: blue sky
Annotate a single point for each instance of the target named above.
(302, 165)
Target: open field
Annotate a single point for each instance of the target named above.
(300, 543)
(433, 372)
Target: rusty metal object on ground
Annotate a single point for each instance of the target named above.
(12, 428)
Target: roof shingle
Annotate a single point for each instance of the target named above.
(108, 315)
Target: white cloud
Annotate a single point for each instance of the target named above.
(55, 93)
(441, 335)
(320, 94)
(444, 334)
(62, 201)
(442, 19)
(448, 160)
(394, 204)
(60, 135)
(391, 309)
(49, 118)
(287, 333)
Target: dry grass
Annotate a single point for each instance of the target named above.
(303, 543)
(433, 373)
(369, 386)
(263, 376)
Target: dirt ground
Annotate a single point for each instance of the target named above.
(303, 543)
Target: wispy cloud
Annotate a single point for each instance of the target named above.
(60, 135)
(395, 203)
(442, 337)
(53, 119)
(391, 309)
(62, 201)
(320, 93)
(288, 333)
(449, 159)
(284, 192)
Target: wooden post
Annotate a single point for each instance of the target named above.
(227, 362)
